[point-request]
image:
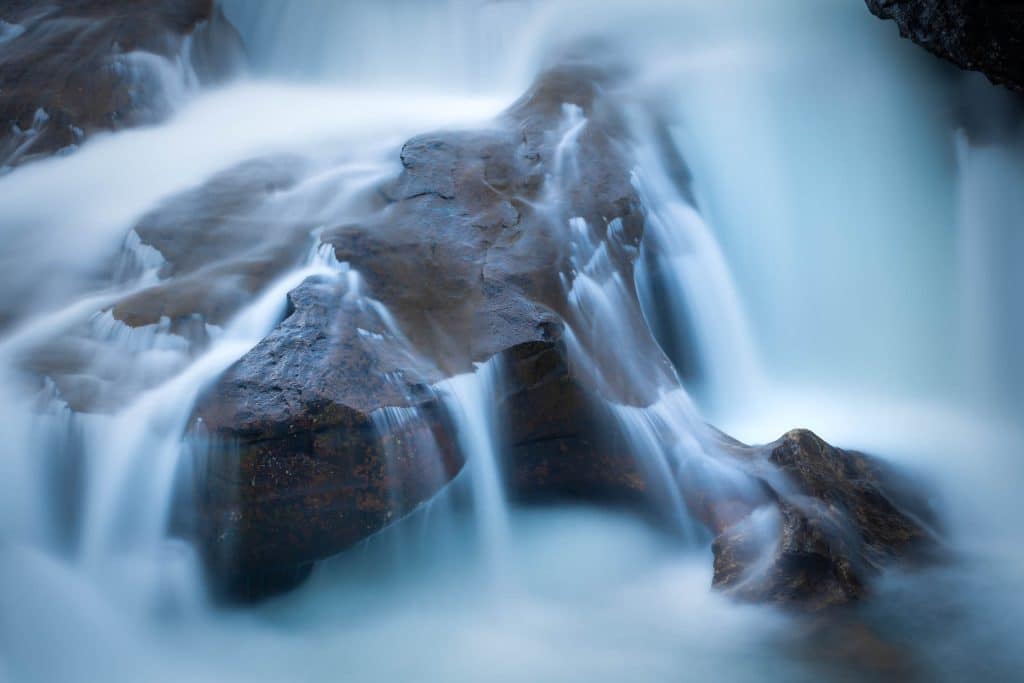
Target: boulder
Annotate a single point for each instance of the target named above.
(977, 35)
(207, 252)
(319, 437)
(469, 260)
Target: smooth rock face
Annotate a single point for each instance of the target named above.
(70, 68)
(829, 523)
(978, 35)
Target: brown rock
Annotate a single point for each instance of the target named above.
(65, 70)
(219, 244)
(977, 35)
(468, 255)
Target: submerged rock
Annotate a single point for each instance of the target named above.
(978, 35)
(70, 68)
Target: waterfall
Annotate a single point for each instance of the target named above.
(829, 241)
(383, 44)
(473, 399)
(990, 249)
(698, 316)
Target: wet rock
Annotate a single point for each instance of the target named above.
(485, 248)
(560, 443)
(71, 68)
(978, 35)
(216, 245)
(831, 520)
(469, 260)
(207, 251)
(298, 467)
(481, 217)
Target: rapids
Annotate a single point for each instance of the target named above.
(833, 241)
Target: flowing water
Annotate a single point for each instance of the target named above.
(833, 242)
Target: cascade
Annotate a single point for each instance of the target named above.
(824, 244)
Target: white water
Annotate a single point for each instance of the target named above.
(852, 268)
(472, 400)
(704, 313)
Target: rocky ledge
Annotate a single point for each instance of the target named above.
(978, 35)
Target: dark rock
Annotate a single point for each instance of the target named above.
(561, 444)
(830, 523)
(70, 68)
(978, 35)
(468, 257)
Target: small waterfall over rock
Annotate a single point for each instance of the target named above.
(129, 459)
(685, 285)
(473, 404)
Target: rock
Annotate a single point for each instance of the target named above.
(299, 467)
(561, 443)
(474, 215)
(829, 524)
(978, 35)
(467, 261)
(70, 68)
(485, 248)
(219, 244)
(213, 248)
